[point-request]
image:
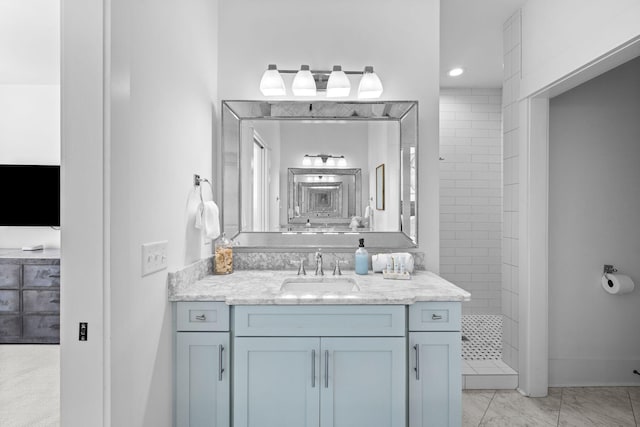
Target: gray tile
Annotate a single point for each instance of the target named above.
(474, 405)
(634, 396)
(511, 409)
(596, 406)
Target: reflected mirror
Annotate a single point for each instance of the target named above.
(307, 174)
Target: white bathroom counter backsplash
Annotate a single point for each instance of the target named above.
(250, 287)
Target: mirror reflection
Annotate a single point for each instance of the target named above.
(305, 168)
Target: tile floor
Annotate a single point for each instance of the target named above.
(29, 397)
(566, 407)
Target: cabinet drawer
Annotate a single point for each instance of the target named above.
(435, 316)
(9, 275)
(34, 301)
(41, 275)
(9, 327)
(9, 301)
(41, 326)
(319, 320)
(202, 316)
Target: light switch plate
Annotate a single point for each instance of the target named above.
(154, 257)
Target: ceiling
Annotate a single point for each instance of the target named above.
(471, 38)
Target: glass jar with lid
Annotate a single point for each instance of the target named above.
(223, 256)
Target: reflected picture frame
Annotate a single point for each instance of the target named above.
(380, 187)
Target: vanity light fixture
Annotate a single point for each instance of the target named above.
(309, 82)
(271, 83)
(370, 84)
(455, 72)
(303, 83)
(324, 160)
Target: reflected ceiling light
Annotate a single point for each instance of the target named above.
(370, 85)
(303, 83)
(324, 160)
(271, 83)
(309, 82)
(338, 84)
(455, 72)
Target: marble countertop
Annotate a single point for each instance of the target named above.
(251, 287)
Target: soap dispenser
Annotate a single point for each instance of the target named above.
(362, 259)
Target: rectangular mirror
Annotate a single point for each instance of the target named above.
(302, 174)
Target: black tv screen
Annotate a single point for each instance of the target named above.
(29, 195)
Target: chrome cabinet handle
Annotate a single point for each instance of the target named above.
(220, 368)
(313, 368)
(436, 317)
(417, 368)
(326, 369)
(201, 317)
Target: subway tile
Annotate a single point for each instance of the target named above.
(507, 222)
(506, 251)
(455, 259)
(515, 279)
(447, 115)
(472, 133)
(490, 158)
(455, 91)
(453, 140)
(448, 253)
(485, 108)
(456, 226)
(472, 166)
(447, 132)
(471, 116)
(455, 243)
(455, 107)
(486, 91)
(455, 124)
(488, 175)
(486, 226)
(515, 306)
(488, 192)
(487, 141)
(474, 269)
(486, 124)
(472, 99)
(472, 251)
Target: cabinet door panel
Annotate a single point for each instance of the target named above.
(435, 379)
(9, 275)
(202, 390)
(41, 275)
(274, 382)
(38, 301)
(364, 385)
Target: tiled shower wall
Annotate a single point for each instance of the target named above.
(510, 242)
(471, 194)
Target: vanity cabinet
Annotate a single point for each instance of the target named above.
(435, 377)
(30, 299)
(291, 372)
(202, 364)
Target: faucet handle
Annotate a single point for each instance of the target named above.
(336, 269)
(300, 264)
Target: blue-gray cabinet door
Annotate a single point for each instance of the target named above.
(363, 382)
(202, 379)
(435, 379)
(276, 382)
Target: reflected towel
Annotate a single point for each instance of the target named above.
(368, 212)
(208, 219)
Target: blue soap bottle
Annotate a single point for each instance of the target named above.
(362, 259)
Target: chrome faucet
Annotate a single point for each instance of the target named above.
(319, 269)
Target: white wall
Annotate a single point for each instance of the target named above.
(562, 36)
(594, 147)
(29, 98)
(354, 34)
(471, 195)
(164, 67)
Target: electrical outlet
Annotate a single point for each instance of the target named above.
(154, 257)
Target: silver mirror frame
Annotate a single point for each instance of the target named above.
(235, 111)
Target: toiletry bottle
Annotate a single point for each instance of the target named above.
(362, 259)
(308, 223)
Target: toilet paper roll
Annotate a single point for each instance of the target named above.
(617, 283)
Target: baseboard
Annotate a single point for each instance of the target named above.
(596, 373)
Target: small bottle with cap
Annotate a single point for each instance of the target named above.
(362, 259)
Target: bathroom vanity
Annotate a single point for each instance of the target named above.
(269, 348)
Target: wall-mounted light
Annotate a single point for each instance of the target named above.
(308, 82)
(324, 160)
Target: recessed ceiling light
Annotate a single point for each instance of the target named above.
(455, 72)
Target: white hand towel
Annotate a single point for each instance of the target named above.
(368, 212)
(208, 219)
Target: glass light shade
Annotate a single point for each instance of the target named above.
(455, 72)
(306, 161)
(330, 162)
(338, 84)
(342, 162)
(370, 85)
(317, 162)
(303, 83)
(271, 83)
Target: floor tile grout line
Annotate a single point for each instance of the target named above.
(632, 411)
(487, 408)
(560, 408)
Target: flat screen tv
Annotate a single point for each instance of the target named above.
(29, 195)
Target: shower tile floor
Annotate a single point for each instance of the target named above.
(482, 365)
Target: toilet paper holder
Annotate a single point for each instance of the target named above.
(609, 269)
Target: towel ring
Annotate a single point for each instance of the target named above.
(197, 181)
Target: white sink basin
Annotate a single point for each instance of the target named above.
(319, 285)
